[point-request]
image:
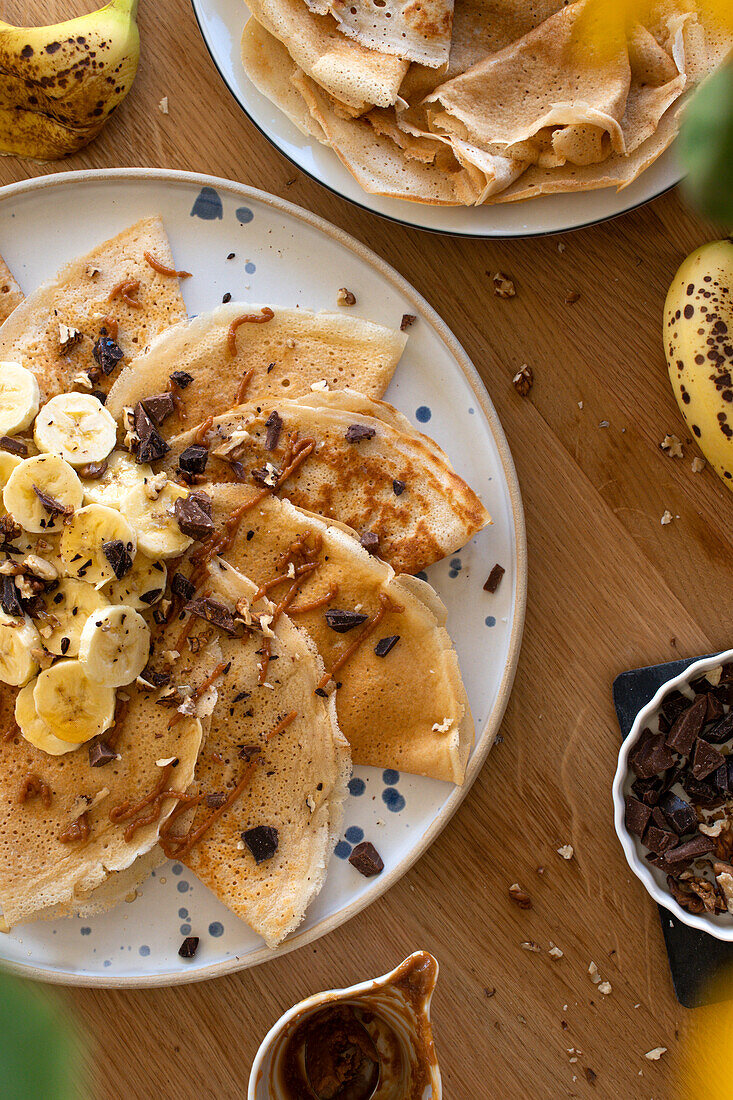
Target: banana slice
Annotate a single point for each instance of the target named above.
(33, 728)
(70, 604)
(143, 586)
(73, 707)
(19, 398)
(114, 645)
(83, 539)
(7, 465)
(121, 475)
(18, 637)
(76, 426)
(158, 533)
(51, 476)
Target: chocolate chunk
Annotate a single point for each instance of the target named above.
(93, 470)
(370, 541)
(366, 859)
(152, 448)
(262, 842)
(181, 586)
(248, 752)
(13, 446)
(705, 759)
(650, 755)
(100, 753)
(215, 801)
(343, 621)
(156, 678)
(637, 816)
(648, 791)
(679, 813)
(100, 396)
(9, 530)
(721, 778)
(714, 710)
(721, 731)
(659, 840)
(274, 426)
(659, 818)
(52, 506)
(119, 557)
(673, 705)
(193, 460)
(407, 320)
(398, 487)
(384, 645)
(494, 578)
(150, 596)
(214, 612)
(698, 845)
(702, 793)
(107, 353)
(663, 865)
(10, 597)
(204, 501)
(189, 947)
(192, 519)
(181, 378)
(687, 726)
(159, 406)
(355, 433)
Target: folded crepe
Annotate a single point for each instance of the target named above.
(287, 352)
(417, 30)
(400, 699)
(10, 293)
(112, 291)
(381, 480)
(44, 876)
(294, 781)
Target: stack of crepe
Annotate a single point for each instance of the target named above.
(324, 624)
(490, 101)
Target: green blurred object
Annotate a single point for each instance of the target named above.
(706, 146)
(39, 1049)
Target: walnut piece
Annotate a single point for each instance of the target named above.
(523, 380)
(503, 285)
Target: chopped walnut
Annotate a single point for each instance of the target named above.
(566, 851)
(530, 945)
(503, 285)
(672, 445)
(518, 895)
(40, 568)
(91, 271)
(595, 977)
(321, 384)
(345, 297)
(132, 439)
(656, 1054)
(604, 988)
(698, 464)
(155, 484)
(667, 517)
(163, 105)
(69, 337)
(82, 381)
(523, 380)
(42, 657)
(555, 952)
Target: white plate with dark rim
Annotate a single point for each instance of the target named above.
(222, 23)
(287, 256)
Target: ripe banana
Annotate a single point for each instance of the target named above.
(73, 707)
(83, 539)
(7, 465)
(142, 587)
(59, 84)
(114, 646)
(33, 728)
(18, 639)
(70, 604)
(77, 427)
(52, 477)
(158, 533)
(19, 398)
(698, 336)
(122, 474)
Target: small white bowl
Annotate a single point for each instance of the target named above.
(721, 927)
(411, 1027)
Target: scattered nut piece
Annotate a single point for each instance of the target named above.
(163, 105)
(69, 337)
(518, 895)
(561, 247)
(408, 319)
(571, 297)
(698, 464)
(503, 286)
(530, 945)
(656, 1054)
(595, 977)
(667, 517)
(555, 952)
(567, 851)
(345, 297)
(603, 424)
(671, 444)
(321, 384)
(523, 380)
(604, 988)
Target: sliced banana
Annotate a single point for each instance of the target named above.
(158, 533)
(114, 645)
(83, 538)
(76, 426)
(143, 586)
(19, 398)
(121, 475)
(52, 476)
(7, 465)
(70, 604)
(18, 637)
(33, 728)
(73, 706)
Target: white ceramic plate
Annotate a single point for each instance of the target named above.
(222, 23)
(286, 256)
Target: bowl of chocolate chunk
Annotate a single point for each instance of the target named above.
(372, 1041)
(673, 796)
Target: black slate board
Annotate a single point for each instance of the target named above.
(694, 957)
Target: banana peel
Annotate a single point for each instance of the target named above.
(59, 84)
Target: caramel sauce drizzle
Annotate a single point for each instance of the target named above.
(244, 386)
(163, 270)
(33, 785)
(127, 291)
(385, 605)
(112, 735)
(199, 436)
(178, 847)
(246, 319)
(178, 401)
(302, 608)
(76, 830)
(112, 327)
(199, 691)
(153, 802)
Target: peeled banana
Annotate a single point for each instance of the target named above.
(114, 646)
(73, 707)
(33, 728)
(59, 84)
(698, 336)
(77, 427)
(19, 398)
(83, 542)
(35, 478)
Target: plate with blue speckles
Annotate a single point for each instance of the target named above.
(285, 254)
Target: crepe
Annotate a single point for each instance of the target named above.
(287, 354)
(42, 876)
(435, 513)
(79, 298)
(297, 786)
(407, 709)
(416, 30)
(10, 293)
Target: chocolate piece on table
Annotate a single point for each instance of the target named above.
(722, 731)
(192, 519)
(188, 948)
(366, 859)
(687, 727)
(355, 433)
(698, 845)
(370, 541)
(650, 755)
(274, 425)
(705, 759)
(494, 578)
(659, 840)
(181, 586)
(679, 813)
(118, 556)
(342, 621)
(262, 842)
(107, 353)
(159, 406)
(701, 792)
(214, 612)
(100, 753)
(193, 460)
(637, 816)
(384, 645)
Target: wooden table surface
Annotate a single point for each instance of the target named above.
(610, 588)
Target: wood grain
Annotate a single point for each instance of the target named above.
(610, 588)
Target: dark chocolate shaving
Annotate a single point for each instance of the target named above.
(10, 597)
(366, 859)
(181, 378)
(159, 406)
(193, 460)
(637, 816)
(152, 448)
(107, 353)
(494, 578)
(53, 507)
(262, 842)
(13, 446)
(119, 557)
(100, 753)
(355, 433)
(343, 621)
(705, 759)
(687, 726)
(192, 519)
(384, 645)
(181, 586)
(370, 541)
(274, 425)
(398, 487)
(214, 612)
